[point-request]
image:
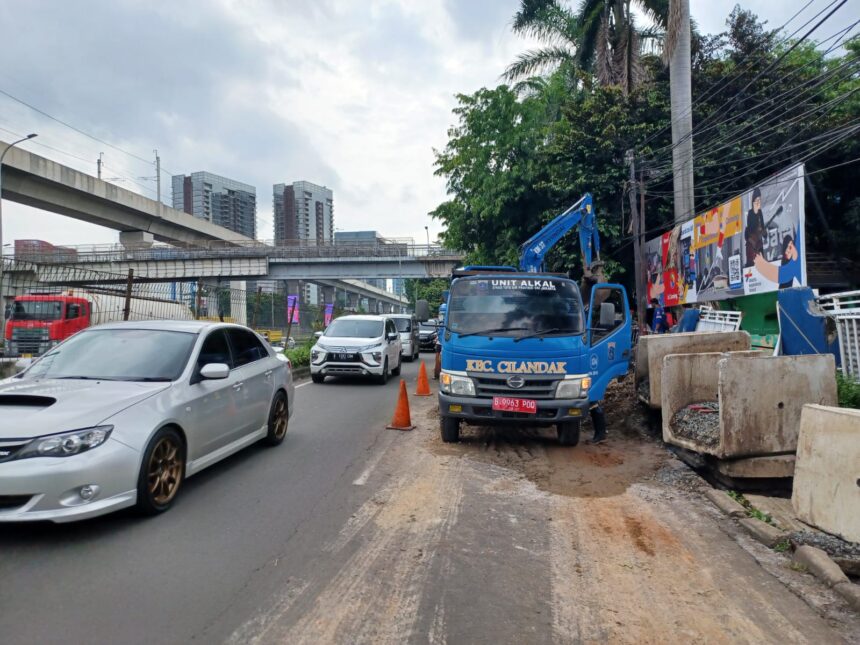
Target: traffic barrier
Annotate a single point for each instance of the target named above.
(401, 420)
(651, 350)
(423, 388)
(745, 404)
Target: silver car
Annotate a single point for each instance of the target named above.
(120, 414)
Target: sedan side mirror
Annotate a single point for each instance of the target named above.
(215, 371)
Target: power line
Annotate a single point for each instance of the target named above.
(739, 71)
(705, 127)
(76, 129)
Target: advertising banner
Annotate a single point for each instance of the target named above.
(293, 309)
(753, 243)
(329, 310)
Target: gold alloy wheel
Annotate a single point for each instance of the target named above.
(165, 471)
(280, 419)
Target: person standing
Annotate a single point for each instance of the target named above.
(659, 321)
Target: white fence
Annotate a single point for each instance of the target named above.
(845, 309)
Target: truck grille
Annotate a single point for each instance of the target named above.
(535, 387)
(28, 340)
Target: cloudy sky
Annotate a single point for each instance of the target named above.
(352, 94)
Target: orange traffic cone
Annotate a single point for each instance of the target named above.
(423, 388)
(401, 419)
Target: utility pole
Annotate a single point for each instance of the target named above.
(638, 230)
(158, 180)
(681, 111)
(99, 163)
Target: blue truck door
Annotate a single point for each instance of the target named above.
(609, 336)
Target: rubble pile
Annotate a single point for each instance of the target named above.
(699, 422)
(832, 545)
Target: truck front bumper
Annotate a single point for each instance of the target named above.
(479, 411)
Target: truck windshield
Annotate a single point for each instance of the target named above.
(37, 310)
(515, 307)
(354, 329)
(117, 355)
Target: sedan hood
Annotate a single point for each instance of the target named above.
(339, 344)
(31, 408)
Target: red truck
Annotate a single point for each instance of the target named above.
(38, 322)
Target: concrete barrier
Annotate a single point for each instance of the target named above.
(650, 351)
(760, 398)
(826, 490)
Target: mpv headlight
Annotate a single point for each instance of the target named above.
(457, 385)
(66, 444)
(573, 388)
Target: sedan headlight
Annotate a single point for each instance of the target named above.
(457, 385)
(573, 388)
(66, 444)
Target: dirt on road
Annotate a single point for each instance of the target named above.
(507, 537)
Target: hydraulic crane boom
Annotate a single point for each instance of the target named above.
(534, 250)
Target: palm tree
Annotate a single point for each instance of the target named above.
(601, 37)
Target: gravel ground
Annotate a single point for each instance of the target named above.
(834, 546)
(701, 427)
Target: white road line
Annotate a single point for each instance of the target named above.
(374, 461)
(303, 384)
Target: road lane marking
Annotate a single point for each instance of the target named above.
(365, 474)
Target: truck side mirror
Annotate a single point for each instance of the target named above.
(422, 310)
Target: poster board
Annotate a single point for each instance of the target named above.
(752, 243)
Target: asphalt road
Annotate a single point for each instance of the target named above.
(238, 534)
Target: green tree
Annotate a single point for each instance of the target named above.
(427, 289)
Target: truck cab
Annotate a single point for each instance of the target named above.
(522, 348)
(38, 322)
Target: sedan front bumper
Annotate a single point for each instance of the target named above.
(46, 488)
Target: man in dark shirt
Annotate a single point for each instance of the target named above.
(754, 230)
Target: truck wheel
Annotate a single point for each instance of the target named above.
(317, 378)
(568, 433)
(450, 427)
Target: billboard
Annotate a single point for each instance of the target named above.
(752, 243)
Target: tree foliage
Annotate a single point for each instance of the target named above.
(517, 156)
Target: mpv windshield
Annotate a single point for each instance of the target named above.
(514, 307)
(118, 355)
(354, 329)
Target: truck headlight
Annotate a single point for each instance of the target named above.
(66, 444)
(573, 388)
(457, 385)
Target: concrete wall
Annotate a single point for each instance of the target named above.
(760, 398)
(827, 473)
(651, 350)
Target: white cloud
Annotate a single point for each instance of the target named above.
(354, 95)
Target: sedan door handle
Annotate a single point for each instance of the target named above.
(238, 386)
(268, 373)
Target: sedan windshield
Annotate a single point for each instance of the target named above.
(515, 307)
(345, 328)
(37, 310)
(117, 355)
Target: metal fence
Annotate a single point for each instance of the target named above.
(44, 304)
(845, 310)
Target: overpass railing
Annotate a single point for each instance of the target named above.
(286, 249)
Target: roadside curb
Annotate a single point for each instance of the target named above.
(814, 560)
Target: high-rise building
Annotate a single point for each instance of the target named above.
(222, 201)
(303, 211)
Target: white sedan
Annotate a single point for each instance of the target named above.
(119, 415)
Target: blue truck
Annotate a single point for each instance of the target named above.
(520, 347)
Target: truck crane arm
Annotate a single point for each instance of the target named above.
(533, 251)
